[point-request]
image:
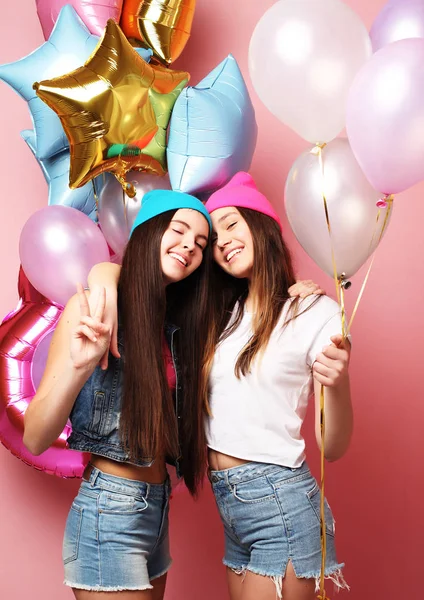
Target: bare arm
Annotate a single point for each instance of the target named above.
(331, 370)
(106, 275)
(78, 342)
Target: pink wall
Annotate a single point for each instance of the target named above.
(375, 491)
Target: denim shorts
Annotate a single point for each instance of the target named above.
(116, 535)
(271, 515)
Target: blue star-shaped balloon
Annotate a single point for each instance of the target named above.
(212, 133)
(56, 172)
(68, 47)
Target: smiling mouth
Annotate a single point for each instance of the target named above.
(233, 253)
(179, 258)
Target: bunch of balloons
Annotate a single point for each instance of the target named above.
(112, 120)
(321, 76)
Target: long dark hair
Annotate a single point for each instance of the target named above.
(272, 276)
(148, 422)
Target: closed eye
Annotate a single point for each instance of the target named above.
(231, 225)
(177, 231)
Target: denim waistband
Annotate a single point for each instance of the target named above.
(251, 470)
(114, 483)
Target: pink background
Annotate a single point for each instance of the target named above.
(375, 491)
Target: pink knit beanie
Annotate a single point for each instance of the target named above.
(242, 192)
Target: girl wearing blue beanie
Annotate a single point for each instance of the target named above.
(127, 411)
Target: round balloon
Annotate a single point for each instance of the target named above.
(117, 211)
(398, 21)
(303, 57)
(58, 247)
(351, 201)
(24, 335)
(385, 113)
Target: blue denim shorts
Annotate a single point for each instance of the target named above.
(116, 535)
(271, 515)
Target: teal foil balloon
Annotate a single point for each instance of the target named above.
(213, 131)
(56, 173)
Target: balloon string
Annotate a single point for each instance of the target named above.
(339, 282)
(322, 592)
(96, 198)
(383, 229)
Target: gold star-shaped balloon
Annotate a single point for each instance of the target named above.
(114, 110)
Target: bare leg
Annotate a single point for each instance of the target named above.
(258, 587)
(297, 589)
(235, 584)
(158, 590)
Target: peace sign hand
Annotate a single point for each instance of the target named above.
(91, 338)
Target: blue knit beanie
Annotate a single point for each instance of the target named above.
(156, 202)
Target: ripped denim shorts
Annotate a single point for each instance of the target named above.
(116, 535)
(271, 515)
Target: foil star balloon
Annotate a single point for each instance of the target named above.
(212, 133)
(162, 25)
(69, 46)
(94, 13)
(114, 110)
(56, 173)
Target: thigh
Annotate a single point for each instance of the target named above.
(261, 587)
(159, 585)
(124, 595)
(295, 588)
(235, 584)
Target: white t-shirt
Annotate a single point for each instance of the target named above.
(259, 417)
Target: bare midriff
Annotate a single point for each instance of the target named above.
(155, 474)
(219, 461)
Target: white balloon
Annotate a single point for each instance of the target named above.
(117, 211)
(303, 57)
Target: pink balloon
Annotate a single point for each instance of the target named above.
(398, 21)
(58, 247)
(21, 334)
(94, 13)
(385, 116)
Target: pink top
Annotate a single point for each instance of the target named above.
(169, 366)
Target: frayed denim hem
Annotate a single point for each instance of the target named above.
(103, 588)
(335, 575)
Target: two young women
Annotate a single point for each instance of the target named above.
(261, 352)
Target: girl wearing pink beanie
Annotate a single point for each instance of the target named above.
(265, 354)
(254, 428)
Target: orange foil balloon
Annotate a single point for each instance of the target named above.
(162, 25)
(114, 110)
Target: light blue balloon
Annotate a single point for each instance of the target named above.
(69, 46)
(212, 132)
(56, 173)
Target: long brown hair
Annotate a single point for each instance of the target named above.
(148, 424)
(272, 276)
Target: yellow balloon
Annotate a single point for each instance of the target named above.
(162, 25)
(114, 110)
